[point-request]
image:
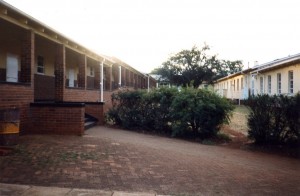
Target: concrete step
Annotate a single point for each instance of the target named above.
(89, 121)
(89, 124)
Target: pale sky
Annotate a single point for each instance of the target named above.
(143, 33)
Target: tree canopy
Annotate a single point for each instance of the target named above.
(193, 67)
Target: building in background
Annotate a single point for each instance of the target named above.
(278, 77)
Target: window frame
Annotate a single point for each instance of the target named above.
(290, 82)
(279, 85)
(261, 84)
(269, 84)
(40, 65)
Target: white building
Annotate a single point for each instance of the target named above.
(281, 76)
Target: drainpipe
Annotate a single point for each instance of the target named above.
(101, 80)
(120, 75)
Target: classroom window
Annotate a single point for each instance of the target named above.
(40, 65)
(233, 85)
(261, 82)
(279, 83)
(242, 83)
(91, 71)
(291, 82)
(269, 84)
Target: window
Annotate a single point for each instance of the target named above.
(91, 71)
(237, 84)
(40, 65)
(242, 83)
(279, 83)
(233, 85)
(12, 65)
(261, 83)
(269, 84)
(252, 85)
(291, 82)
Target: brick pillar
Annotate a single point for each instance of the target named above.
(97, 76)
(127, 77)
(139, 81)
(27, 58)
(123, 76)
(116, 76)
(60, 69)
(82, 71)
(131, 78)
(109, 78)
(134, 81)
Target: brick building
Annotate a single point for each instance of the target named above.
(55, 82)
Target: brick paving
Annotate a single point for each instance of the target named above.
(111, 159)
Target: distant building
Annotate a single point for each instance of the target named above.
(281, 76)
(161, 81)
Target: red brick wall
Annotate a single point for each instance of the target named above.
(51, 119)
(82, 71)
(60, 71)
(80, 95)
(44, 87)
(107, 100)
(2, 74)
(90, 82)
(27, 57)
(17, 96)
(95, 110)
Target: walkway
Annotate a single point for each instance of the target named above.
(111, 159)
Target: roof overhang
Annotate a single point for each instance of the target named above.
(21, 19)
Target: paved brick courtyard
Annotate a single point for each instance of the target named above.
(112, 159)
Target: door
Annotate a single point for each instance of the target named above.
(12, 68)
(71, 77)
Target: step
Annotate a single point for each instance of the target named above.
(89, 124)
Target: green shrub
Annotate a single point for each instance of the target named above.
(158, 106)
(274, 119)
(199, 113)
(126, 110)
(191, 112)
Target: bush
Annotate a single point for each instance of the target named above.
(142, 110)
(191, 112)
(199, 113)
(158, 107)
(274, 119)
(126, 110)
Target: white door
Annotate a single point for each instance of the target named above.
(12, 68)
(71, 77)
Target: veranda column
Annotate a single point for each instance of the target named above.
(109, 77)
(60, 69)
(82, 63)
(120, 76)
(101, 80)
(27, 58)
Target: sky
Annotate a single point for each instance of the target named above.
(144, 33)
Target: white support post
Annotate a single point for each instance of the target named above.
(120, 76)
(101, 80)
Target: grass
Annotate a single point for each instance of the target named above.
(238, 121)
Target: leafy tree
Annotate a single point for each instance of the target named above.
(195, 66)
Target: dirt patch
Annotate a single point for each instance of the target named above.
(237, 129)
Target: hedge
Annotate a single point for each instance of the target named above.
(274, 119)
(186, 113)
